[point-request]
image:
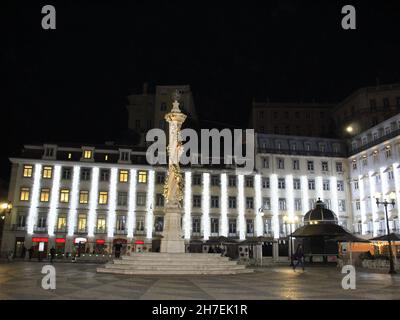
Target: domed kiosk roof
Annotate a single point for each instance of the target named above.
(320, 215)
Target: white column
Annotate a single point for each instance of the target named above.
(397, 187)
(112, 203)
(131, 220)
(241, 208)
(304, 194)
(188, 205)
(274, 204)
(55, 189)
(362, 203)
(93, 199)
(334, 194)
(34, 197)
(289, 195)
(74, 201)
(224, 205)
(258, 204)
(150, 206)
(319, 188)
(206, 206)
(372, 191)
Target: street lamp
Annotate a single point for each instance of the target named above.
(5, 208)
(385, 203)
(290, 220)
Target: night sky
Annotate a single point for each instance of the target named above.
(70, 84)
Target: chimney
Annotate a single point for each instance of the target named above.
(145, 85)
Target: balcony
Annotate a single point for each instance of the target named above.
(140, 232)
(62, 229)
(81, 230)
(120, 232)
(40, 229)
(16, 227)
(100, 231)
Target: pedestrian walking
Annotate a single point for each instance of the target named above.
(30, 253)
(299, 255)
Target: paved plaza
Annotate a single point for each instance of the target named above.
(22, 280)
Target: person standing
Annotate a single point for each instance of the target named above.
(30, 253)
(299, 255)
(52, 254)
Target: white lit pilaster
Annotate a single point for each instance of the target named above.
(289, 195)
(188, 205)
(206, 206)
(397, 186)
(241, 208)
(93, 199)
(362, 204)
(131, 220)
(258, 205)
(304, 194)
(334, 194)
(150, 206)
(112, 203)
(55, 189)
(224, 205)
(372, 191)
(319, 188)
(74, 201)
(32, 215)
(274, 204)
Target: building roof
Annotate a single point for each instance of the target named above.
(320, 215)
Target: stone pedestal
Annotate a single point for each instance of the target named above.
(172, 241)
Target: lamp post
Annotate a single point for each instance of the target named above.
(290, 220)
(385, 203)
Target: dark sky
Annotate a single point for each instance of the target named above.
(70, 84)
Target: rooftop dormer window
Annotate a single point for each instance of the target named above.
(87, 154)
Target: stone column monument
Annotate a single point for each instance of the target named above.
(172, 241)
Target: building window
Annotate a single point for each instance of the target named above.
(281, 163)
(354, 165)
(196, 222)
(266, 203)
(21, 221)
(44, 195)
(101, 224)
(64, 195)
(355, 185)
(122, 198)
(390, 175)
(249, 182)
(69, 156)
(339, 167)
(47, 172)
(215, 180)
(87, 154)
(325, 185)
(123, 175)
(140, 224)
(249, 226)
(196, 201)
(61, 223)
(232, 226)
(267, 226)
(324, 166)
(196, 180)
(49, 152)
(159, 224)
(160, 178)
(249, 203)
(340, 186)
(142, 177)
(214, 202)
(106, 157)
(265, 183)
(159, 200)
(232, 202)
(83, 197)
(41, 222)
(66, 173)
(103, 197)
(27, 172)
(386, 102)
(282, 204)
(281, 183)
(82, 223)
(124, 156)
(296, 184)
(121, 223)
(310, 165)
(85, 174)
(105, 175)
(296, 165)
(265, 163)
(297, 204)
(141, 199)
(232, 181)
(388, 152)
(24, 194)
(311, 184)
(358, 206)
(342, 205)
(311, 203)
(214, 225)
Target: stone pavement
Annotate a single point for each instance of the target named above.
(22, 280)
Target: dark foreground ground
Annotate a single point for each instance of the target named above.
(22, 280)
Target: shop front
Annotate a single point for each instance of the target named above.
(40, 247)
(60, 247)
(79, 246)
